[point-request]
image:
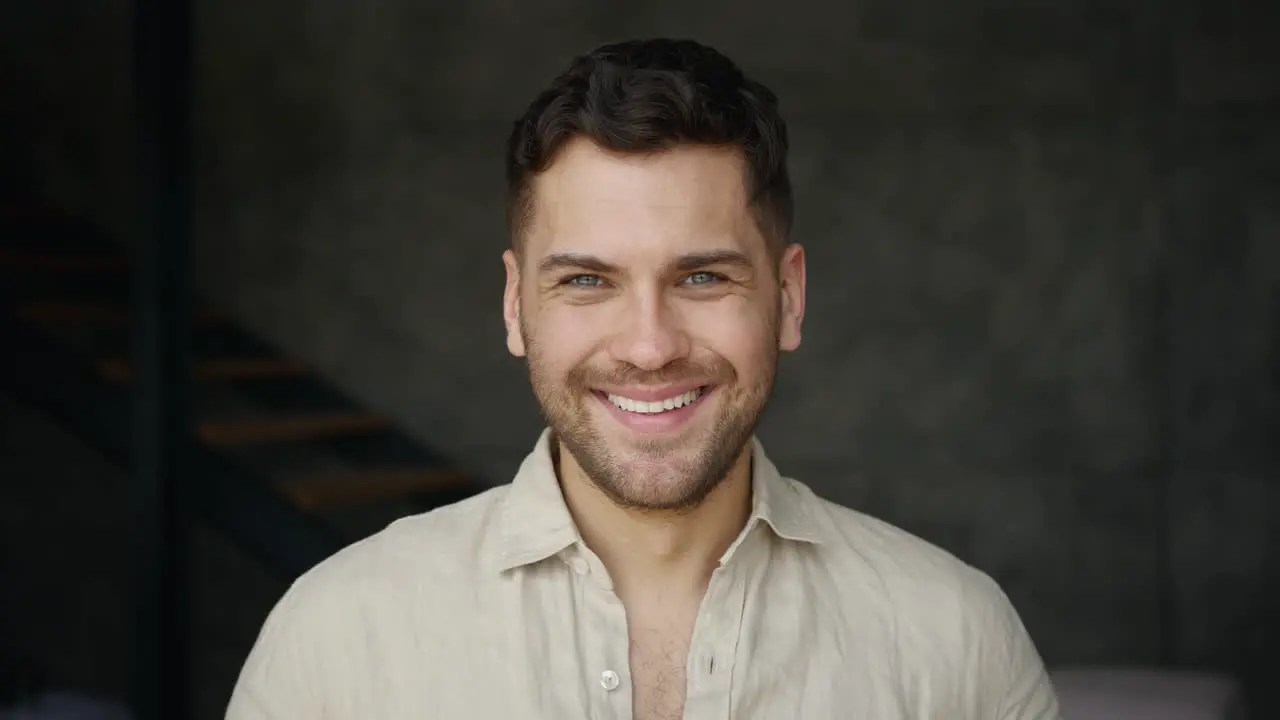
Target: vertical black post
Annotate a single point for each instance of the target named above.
(161, 419)
(1162, 108)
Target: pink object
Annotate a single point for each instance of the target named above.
(1146, 694)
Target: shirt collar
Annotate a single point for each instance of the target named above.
(536, 523)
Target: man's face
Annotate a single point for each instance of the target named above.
(651, 314)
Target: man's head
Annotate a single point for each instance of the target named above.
(651, 283)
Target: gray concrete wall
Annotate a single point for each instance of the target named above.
(999, 201)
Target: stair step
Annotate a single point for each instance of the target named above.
(369, 486)
(43, 261)
(118, 369)
(72, 312)
(225, 434)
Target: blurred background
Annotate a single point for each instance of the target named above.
(1043, 327)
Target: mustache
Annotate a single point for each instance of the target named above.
(717, 372)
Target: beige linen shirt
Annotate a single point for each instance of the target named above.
(494, 608)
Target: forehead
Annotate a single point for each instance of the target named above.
(675, 201)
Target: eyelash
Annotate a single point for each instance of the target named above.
(572, 279)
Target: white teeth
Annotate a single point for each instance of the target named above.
(647, 408)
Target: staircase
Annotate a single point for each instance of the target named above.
(282, 462)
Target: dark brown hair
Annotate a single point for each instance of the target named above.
(650, 95)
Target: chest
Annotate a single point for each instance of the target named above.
(734, 658)
(658, 653)
(560, 646)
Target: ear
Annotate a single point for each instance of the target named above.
(791, 279)
(511, 304)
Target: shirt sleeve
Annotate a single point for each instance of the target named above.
(1019, 677)
(285, 675)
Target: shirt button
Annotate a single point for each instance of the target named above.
(579, 565)
(609, 680)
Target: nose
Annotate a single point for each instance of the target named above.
(651, 335)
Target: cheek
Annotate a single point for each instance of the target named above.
(560, 338)
(739, 332)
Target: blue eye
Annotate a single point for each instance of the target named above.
(586, 281)
(702, 278)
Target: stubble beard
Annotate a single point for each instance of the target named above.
(670, 475)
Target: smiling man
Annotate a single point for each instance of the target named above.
(648, 560)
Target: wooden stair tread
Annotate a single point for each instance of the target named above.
(119, 370)
(45, 261)
(369, 485)
(312, 426)
(73, 312)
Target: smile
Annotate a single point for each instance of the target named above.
(654, 411)
(646, 407)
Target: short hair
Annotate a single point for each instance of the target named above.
(644, 96)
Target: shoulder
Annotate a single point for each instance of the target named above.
(950, 625)
(920, 584)
(430, 562)
(900, 558)
(347, 621)
(446, 547)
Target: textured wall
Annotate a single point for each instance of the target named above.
(1225, 484)
(1006, 207)
(984, 195)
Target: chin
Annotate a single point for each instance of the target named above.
(660, 479)
(664, 499)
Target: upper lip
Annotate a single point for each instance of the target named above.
(653, 393)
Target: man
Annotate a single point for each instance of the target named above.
(648, 561)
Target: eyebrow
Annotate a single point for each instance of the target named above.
(693, 261)
(575, 261)
(684, 263)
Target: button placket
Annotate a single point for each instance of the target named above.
(715, 642)
(605, 628)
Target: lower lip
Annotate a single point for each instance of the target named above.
(655, 423)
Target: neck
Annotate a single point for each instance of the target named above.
(659, 550)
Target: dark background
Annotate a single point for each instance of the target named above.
(1044, 297)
